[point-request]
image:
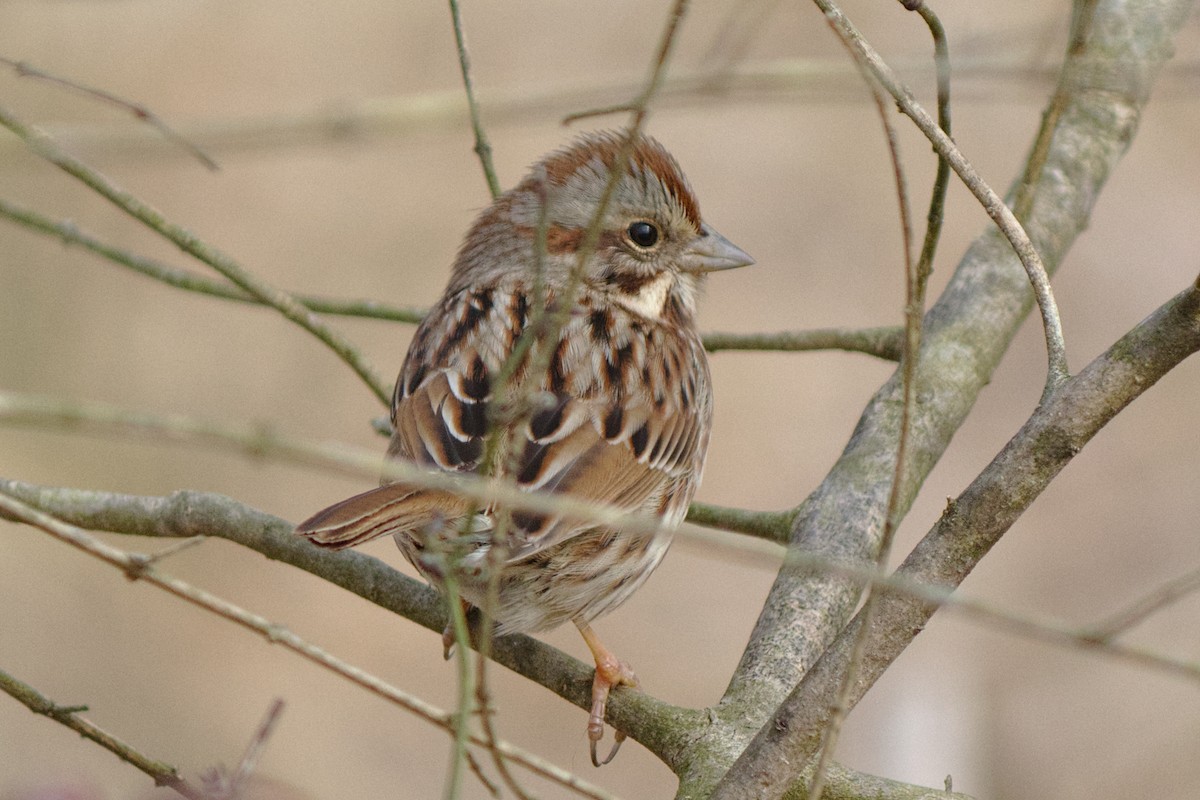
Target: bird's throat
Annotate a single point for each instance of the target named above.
(649, 298)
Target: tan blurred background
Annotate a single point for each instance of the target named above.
(800, 179)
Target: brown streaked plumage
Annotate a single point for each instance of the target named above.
(621, 413)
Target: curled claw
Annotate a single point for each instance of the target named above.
(618, 737)
(610, 672)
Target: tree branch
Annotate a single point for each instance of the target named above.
(882, 342)
(966, 333)
(162, 773)
(45, 147)
(664, 729)
(141, 567)
(188, 514)
(969, 528)
(1031, 260)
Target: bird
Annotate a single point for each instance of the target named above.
(588, 315)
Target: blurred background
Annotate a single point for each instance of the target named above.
(326, 187)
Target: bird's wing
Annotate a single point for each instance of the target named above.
(621, 419)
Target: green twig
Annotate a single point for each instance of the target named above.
(774, 526)
(882, 342)
(483, 147)
(288, 306)
(162, 773)
(190, 281)
(941, 181)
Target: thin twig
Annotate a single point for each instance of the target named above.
(913, 312)
(970, 526)
(774, 526)
(288, 306)
(461, 718)
(277, 634)
(883, 342)
(256, 747)
(483, 147)
(162, 773)
(941, 181)
(139, 111)
(811, 81)
(219, 783)
(1138, 611)
(70, 234)
(261, 441)
(223, 517)
(993, 204)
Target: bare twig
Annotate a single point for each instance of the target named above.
(139, 111)
(941, 181)
(69, 233)
(914, 310)
(1138, 611)
(220, 784)
(883, 342)
(277, 634)
(970, 526)
(483, 147)
(162, 773)
(992, 203)
(288, 306)
(770, 525)
(257, 745)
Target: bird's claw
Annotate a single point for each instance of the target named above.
(594, 740)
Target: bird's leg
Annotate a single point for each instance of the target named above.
(610, 672)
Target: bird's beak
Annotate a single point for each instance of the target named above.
(711, 252)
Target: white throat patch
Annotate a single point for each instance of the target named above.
(649, 300)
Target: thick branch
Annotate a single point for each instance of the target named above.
(966, 333)
(141, 567)
(187, 514)
(664, 729)
(968, 529)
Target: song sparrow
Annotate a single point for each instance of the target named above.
(620, 413)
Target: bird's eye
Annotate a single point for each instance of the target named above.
(643, 234)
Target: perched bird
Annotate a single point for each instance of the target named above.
(618, 395)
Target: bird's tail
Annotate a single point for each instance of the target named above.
(394, 508)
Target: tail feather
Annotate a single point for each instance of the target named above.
(394, 508)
